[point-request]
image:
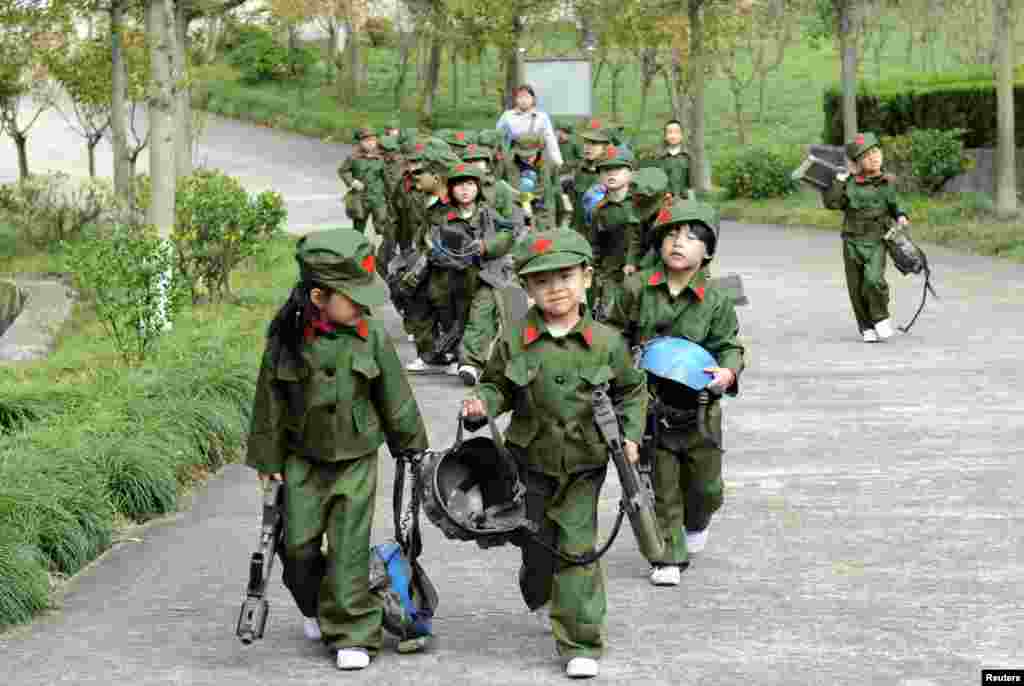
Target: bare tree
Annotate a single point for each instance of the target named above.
(1006, 176)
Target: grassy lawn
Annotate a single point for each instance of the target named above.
(88, 445)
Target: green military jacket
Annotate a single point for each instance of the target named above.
(586, 176)
(497, 243)
(368, 169)
(869, 203)
(572, 156)
(616, 234)
(545, 197)
(350, 395)
(700, 313)
(676, 168)
(547, 384)
(393, 166)
(502, 197)
(404, 201)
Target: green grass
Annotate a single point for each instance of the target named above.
(86, 443)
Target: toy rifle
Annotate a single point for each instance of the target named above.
(637, 491)
(252, 618)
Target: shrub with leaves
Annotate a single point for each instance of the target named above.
(756, 174)
(218, 225)
(48, 208)
(128, 274)
(936, 156)
(258, 56)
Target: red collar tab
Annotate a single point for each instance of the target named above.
(530, 334)
(460, 135)
(860, 178)
(588, 335)
(461, 167)
(369, 264)
(859, 140)
(611, 151)
(595, 124)
(699, 292)
(452, 216)
(656, 278)
(420, 147)
(363, 329)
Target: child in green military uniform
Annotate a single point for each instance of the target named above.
(497, 194)
(869, 203)
(649, 189)
(569, 148)
(526, 172)
(615, 230)
(545, 370)
(673, 159)
(363, 174)
(674, 299)
(331, 389)
(595, 140)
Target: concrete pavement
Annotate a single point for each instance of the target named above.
(871, 532)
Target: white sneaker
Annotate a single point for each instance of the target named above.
(451, 369)
(869, 335)
(667, 575)
(353, 658)
(311, 628)
(469, 374)
(418, 366)
(581, 668)
(410, 338)
(696, 540)
(884, 329)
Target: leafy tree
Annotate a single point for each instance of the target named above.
(84, 72)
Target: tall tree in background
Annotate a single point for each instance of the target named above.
(846, 20)
(1006, 169)
(84, 72)
(160, 33)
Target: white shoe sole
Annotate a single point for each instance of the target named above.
(582, 668)
(349, 660)
(311, 629)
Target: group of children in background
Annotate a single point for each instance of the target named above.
(462, 216)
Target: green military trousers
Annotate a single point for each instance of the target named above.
(438, 301)
(865, 280)
(483, 324)
(335, 499)
(688, 486)
(376, 207)
(566, 511)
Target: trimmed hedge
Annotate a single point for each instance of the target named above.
(945, 101)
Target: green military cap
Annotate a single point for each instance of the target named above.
(428, 149)
(490, 138)
(616, 156)
(564, 126)
(547, 250)
(389, 144)
(364, 132)
(861, 144)
(650, 181)
(461, 170)
(528, 143)
(342, 260)
(686, 211)
(476, 151)
(594, 131)
(393, 123)
(459, 138)
(408, 135)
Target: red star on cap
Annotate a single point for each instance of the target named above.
(419, 147)
(363, 329)
(665, 215)
(656, 278)
(859, 140)
(460, 135)
(369, 264)
(588, 335)
(530, 334)
(471, 147)
(595, 124)
(611, 151)
(460, 168)
(541, 245)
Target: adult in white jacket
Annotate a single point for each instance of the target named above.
(525, 118)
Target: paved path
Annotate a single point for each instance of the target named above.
(871, 532)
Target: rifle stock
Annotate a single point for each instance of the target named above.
(637, 496)
(252, 618)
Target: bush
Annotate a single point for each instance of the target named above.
(937, 156)
(258, 56)
(217, 225)
(46, 209)
(381, 31)
(129, 275)
(756, 174)
(965, 100)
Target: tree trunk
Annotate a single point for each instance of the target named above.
(1006, 170)
(695, 12)
(355, 67)
(484, 85)
(161, 110)
(848, 52)
(333, 38)
(213, 33)
(182, 94)
(406, 44)
(454, 61)
(737, 105)
(21, 143)
(90, 145)
(118, 98)
(616, 75)
(513, 63)
(433, 76)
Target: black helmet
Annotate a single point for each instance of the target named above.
(472, 491)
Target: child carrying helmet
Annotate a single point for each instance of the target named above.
(674, 299)
(331, 389)
(364, 175)
(545, 370)
(867, 198)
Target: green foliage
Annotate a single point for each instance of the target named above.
(937, 156)
(756, 174)
(963, 100)
(129, 275)
(217, 226)
(258, 56)
(381, 32)
(48, 208)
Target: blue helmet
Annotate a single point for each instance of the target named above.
(591, 197)
(679, 360)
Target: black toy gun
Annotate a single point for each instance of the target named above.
(637, 492)
(252, 618)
